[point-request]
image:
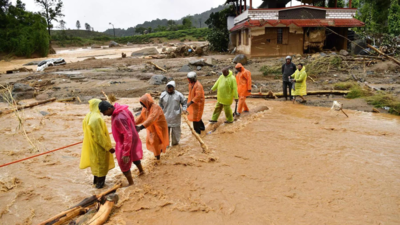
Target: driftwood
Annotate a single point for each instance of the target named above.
(66, 99)
(78, 209)
(156, 66)
(104, 212)
(108, 99)
(203, 145)
(27, 106)
(387, 56)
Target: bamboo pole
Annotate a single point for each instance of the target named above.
(27, 106)
(203, 145)
(156, 66)
(380, 52)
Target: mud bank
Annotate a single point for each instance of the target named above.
(291, 164)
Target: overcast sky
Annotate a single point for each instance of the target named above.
(128, 13)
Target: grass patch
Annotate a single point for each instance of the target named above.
(275, 70)
(344, 85)
(322, 64)
(382, 99)
(357, 92)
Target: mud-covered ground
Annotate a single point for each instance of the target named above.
(291, 164)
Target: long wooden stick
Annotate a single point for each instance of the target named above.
(203, 145)
(27, 106)
(380, 52)
(156, 66)
(108, 100)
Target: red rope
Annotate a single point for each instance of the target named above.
(30, 157)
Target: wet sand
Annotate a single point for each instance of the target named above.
(292, 164)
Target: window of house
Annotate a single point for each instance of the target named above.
(283, 36)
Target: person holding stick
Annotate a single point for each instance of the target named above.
(227, 91)
(196, 100)
(128, 147)
(96, 149)
(153, 120)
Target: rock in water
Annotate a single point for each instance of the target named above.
(22, 91)
(198, 68)
(113, 44)
(240, 59)
(185, 68)
(146, 51)
(344, 52)
(158, 80)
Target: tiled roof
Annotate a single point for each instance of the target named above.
(301, 23)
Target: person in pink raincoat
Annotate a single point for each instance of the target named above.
(128, 147)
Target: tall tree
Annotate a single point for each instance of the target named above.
(51, 11)
(140, 30)
(187, 22)
(62, 24)
(394, 18)
(87, 26)
(78, 24)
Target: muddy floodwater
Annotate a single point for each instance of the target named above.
(291, 164)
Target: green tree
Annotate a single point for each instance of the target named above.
(394, 18)
(62, 24)
(140, 30)
(187, 22)
(51, 11)
(219, 33)
(87, 26)
(78, 24)
(340, 3)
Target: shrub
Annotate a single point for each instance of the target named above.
(357, 92)
(271, 70)
(381, 100)
(343, 85)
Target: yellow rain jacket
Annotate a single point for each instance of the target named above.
(96, 142)
(227, 89)
(301, 84)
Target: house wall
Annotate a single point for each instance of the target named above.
(243, 41)
(335, 41)
(264, 41)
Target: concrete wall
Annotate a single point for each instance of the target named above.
(245, 46)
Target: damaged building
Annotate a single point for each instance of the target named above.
(276, 30)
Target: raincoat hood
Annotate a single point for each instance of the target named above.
(239, 65)
(94, 105)
(303, 69)
(118, 108)
(147, 100)
(172, 83)
(230, 74)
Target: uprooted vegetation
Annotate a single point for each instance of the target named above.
(384, 100)
(343, 85)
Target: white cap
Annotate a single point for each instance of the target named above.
(191, 75)
(289, 57)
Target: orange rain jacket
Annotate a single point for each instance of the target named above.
(243, 80)
(152, 117)
(196, 94)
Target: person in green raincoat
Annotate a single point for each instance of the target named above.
(97, 149)
(299, 79)
(227, 91)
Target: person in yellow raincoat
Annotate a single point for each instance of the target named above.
(153, 120)
(300, 81)
(227, 91)
(97, 148)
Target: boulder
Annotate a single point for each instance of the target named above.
(200, 62)
(240, 59)
(22, 91)
(164, 49)
(185, 68)
(322, 54)
(344, 52)
(113, 44)
(158, 80)
(129, 44)
(95, 46)
(333, 53)
(42, 97)
(145, 52)
(199, 68)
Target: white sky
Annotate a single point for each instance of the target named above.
(128, 13)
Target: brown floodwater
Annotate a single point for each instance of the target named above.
(291, 164)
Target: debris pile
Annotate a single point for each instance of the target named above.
(186, 51)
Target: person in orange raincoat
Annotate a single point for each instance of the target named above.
(243, 80)
(195, 103)
(152, 118)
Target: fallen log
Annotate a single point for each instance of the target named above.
(104, 212)
(78, 209)
(380, 52)
(156, 66)
(27, 106)
(203, 145)
(66, 99)
(280, 94)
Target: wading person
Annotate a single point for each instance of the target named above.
(196, 100)
(243, 80)
(287, 70)
(227, 91)
(171, 102)
(300, 80)
(97, 148)
(153, 120)
(128, 147)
